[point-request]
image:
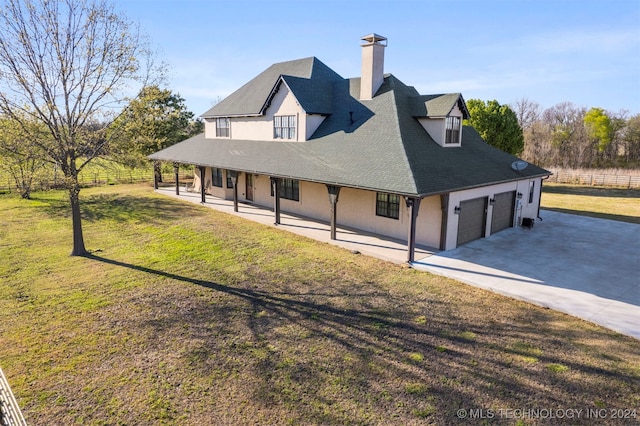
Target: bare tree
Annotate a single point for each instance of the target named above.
(527, 112)
(69, 64)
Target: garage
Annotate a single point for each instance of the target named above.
(472, 219)
(503, 208)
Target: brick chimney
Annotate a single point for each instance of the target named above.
(372, 65)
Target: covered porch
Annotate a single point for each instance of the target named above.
(354, 240)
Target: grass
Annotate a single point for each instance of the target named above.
(184, 315)
(600, 202)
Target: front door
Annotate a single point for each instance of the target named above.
(249, 189)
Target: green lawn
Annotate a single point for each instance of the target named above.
(185, 315)
(604, 203)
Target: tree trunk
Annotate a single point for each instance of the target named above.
(74, 200)
(157, 169)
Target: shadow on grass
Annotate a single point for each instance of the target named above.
(343, 362)
(120, 208)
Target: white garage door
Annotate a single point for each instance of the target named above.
(472, 219)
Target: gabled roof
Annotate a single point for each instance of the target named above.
(375, 144)
(254, 97)
(438, 105)
(313, 95)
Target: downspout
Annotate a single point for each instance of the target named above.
(540, 197)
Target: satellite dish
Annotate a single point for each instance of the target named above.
(519, 165)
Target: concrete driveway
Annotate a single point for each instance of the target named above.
(586, 267)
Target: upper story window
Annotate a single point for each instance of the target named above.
(284, 127)
(452, 132)
(388, 205)
(222, 127)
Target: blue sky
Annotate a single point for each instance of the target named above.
(549, 51)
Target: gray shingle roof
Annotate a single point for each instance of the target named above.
(376, 144)
(253, 97)
(437, 105)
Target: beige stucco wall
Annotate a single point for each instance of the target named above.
(356, 208)
(209, 189)
(429, 222)
(261, 128)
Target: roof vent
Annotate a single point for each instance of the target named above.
(372, 65)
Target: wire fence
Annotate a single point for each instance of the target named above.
(596, 179)
(101, 178)
(113, 177)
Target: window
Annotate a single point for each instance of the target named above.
(229, 181)
(284, 127)
(289, 189)
(452, 130)
(532, 185)
(222, 127)
(388, 205)
(217, 176)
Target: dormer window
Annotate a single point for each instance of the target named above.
(284, 127)
(452, 132)
(222, 127)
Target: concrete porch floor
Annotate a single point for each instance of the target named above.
(368, 244)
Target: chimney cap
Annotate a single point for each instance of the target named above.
(374, 38)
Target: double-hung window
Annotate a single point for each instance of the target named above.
(289, 189)
(452, 134)
(222, 127)
(229, 181)
(284, 127)
(388, 205)
(217, 176)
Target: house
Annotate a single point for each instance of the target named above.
(369, 153)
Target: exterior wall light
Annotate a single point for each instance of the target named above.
(456, 210)
(492, 201)
(519, 195)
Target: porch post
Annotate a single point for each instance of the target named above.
(202, 176)
(413, 205)
(155, 175)
(176, 170)
(444, 205)
(275, 185)
(334, 191)
(234, 181)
